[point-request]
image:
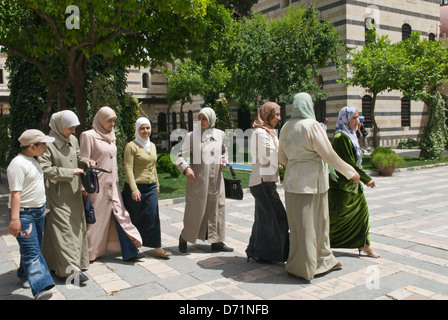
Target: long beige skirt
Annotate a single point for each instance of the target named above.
(309, 222)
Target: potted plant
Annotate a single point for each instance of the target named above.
(386, 160)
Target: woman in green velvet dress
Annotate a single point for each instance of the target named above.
(349, 213)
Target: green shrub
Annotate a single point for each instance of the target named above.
(385, 158)
(167, 166)
(408, 144)
(378, 150)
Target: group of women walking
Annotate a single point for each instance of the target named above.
(319, 213)
(124, 222)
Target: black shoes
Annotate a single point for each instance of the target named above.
(136, 258)
(182, 245)
(80, 278)
(220, 246)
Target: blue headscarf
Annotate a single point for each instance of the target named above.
(344, 118)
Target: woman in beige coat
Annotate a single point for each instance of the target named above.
(306, 150)
(204, 216)
(113, 230)
(64, 244)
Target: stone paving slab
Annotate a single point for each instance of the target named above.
(408, 227)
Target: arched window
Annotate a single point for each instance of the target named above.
(190, 120)
(432, 37)
(145, 80)
(1, 76)
(161, 122)
(367, 110)
(369, 29)
(406, 31)
(405, 112)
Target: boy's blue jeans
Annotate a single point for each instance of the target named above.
(32, 263)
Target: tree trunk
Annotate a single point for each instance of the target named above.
(52, 92)
(77, 67)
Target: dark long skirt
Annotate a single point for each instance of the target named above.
(269, 240)
(145, 214)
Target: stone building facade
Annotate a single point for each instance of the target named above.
(397, 117)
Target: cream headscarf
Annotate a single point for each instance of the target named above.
(210, 114)
(145, 143)
(60, 121)
(104, 114)
(302, 106)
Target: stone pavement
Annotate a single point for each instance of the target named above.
(408, 227)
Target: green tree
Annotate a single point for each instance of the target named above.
(182, 84)
(375, 67)
(275, 59)
(131, 32)
(241, 8)
(424, 71)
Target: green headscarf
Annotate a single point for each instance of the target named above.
(302, 106)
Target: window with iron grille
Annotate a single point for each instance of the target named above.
(190, 120)
(161, 122)
(367, 111)
(405, 112)
(174, 119)
(320, 110)
(406, 31)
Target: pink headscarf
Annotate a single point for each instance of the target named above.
(104, 114)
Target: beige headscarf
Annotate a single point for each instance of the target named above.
(210, 114)
(264, 115)
(60, 121)
(104, 114)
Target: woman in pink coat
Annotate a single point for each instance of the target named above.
(113, 230)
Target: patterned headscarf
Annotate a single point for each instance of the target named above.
(104, 114)
(344, 118)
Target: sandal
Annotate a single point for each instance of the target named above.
(163, 254)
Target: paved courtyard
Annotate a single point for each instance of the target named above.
(408, 227)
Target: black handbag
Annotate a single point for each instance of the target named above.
(88, 210)
(233, 187)
(89, 179)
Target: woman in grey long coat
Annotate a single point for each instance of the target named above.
(64, 244)
(204, 216)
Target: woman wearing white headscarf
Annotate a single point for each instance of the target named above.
(65, 238)
(306, 150)
(140, 194)
(113, 230)
(204, 216)
(349, 213)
